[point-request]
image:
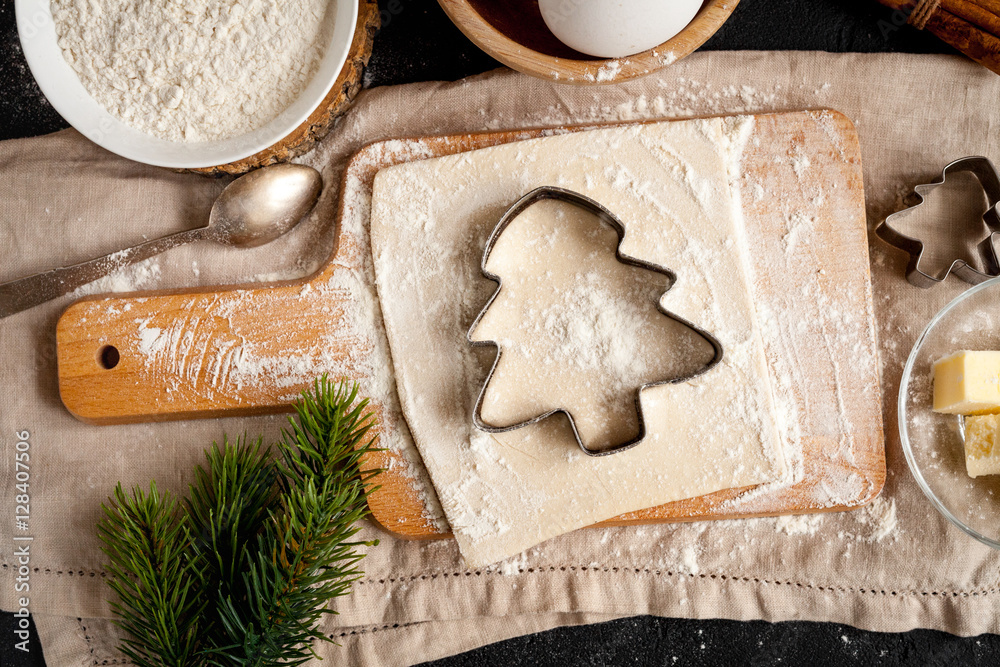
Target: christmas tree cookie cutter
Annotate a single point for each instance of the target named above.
(989, 179)
(606, 216)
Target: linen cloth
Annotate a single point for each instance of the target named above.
(66, 200)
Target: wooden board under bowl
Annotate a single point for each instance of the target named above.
(794, 162)
(514, 33)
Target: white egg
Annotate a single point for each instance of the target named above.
(616, 28)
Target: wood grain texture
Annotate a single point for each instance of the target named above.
(319, 123)
(288, 319)
(515, 34)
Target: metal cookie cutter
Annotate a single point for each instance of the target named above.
(989, 179)
(606, 216)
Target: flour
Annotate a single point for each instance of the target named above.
(300, 268)
(194, 70)
(689, 561)
(141, 275)
(798, 524)
(609, 72)
(800, 228)
(515, 565)
(880, 518)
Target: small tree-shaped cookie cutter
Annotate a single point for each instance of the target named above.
(561, 194)
(989, 180)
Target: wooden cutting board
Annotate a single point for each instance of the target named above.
(795, 163)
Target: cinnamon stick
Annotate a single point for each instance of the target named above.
(975, 13)
(981, 46)
(992, 6)
(971, 26)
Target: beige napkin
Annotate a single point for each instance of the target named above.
(892, 567)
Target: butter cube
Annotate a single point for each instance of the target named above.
(982, 445)
(967, 383)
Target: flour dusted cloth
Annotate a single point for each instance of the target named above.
(893, 566)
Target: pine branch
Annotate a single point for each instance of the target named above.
(228, 505)
(329, 439)
(158, 583)
(245, 575)
(305, 556)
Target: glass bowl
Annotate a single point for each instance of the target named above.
(933, 443)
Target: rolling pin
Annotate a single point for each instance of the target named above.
(971, 26)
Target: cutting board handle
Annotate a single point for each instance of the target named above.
(235, 351)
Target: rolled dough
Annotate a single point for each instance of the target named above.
(669, 184)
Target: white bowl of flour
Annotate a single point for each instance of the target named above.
(186, 83)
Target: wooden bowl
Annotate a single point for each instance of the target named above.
(513, 32)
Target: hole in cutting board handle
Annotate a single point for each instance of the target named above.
(108, 357)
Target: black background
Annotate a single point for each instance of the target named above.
(417, 43)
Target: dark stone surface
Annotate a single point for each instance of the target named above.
(24, 111)
(648, 640)
(12, 651)
(417, 43)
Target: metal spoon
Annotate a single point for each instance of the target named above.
(251, 211)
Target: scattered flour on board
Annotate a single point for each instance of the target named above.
(738, 130)
(799, 165)
(800, 227)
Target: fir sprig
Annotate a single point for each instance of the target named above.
(267, 539)
(305, 556)
(155, 574)
(229, 504)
